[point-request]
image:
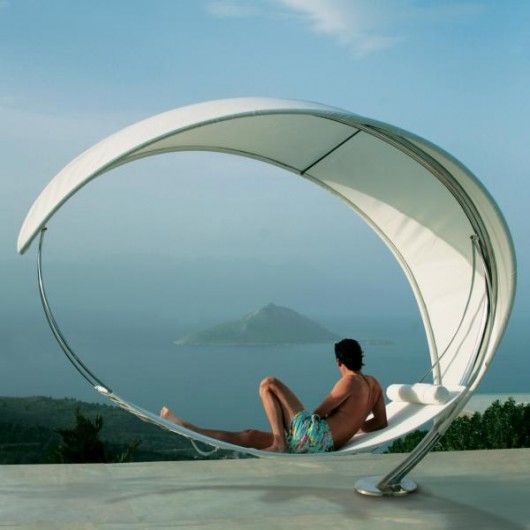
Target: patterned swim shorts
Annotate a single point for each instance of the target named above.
(309, 433)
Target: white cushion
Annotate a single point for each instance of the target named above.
(422, 393)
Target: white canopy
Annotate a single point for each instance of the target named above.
(424, 204)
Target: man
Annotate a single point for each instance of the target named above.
(343, 412)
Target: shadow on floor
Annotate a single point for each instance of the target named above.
(422, 506)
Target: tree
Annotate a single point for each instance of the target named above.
(82, 444)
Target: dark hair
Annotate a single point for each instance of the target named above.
(349, 353)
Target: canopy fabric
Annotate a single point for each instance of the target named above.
(424, 204)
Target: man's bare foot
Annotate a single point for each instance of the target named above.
(275, 448)
(279, 445)
(168, 415)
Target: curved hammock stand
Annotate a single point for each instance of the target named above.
(439, 222)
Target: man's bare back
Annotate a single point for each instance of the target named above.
(353, 398)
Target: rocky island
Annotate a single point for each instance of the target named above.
(272, 324)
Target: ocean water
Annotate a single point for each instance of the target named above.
(218, 386)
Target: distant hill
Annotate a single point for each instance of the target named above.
(27, 431)
(271, 324)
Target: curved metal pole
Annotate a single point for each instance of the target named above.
(395, 482)
(59, 337)
(78, 364)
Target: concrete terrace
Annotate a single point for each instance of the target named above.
(472, 489)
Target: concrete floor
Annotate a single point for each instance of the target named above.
(472, 489)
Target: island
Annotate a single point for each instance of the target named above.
(270, 325)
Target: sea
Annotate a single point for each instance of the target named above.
(216, 386)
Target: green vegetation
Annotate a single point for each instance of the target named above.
(502, 426)
(30, 432)
(82, 444)
(44, 430)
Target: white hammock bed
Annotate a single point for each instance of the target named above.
(439, 222)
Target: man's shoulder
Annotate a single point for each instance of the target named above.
(374, 380)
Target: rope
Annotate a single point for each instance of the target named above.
(200, 451)
(165, 424)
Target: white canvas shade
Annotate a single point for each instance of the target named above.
(437, 219)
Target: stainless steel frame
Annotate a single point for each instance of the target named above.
(394, 483)
(59, 337)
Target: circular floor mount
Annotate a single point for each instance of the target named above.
(369, 486)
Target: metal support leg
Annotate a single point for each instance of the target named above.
(396, 483)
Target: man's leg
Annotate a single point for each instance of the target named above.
(247, 438)
(280, 404)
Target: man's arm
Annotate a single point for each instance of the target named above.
(339, 393)
(379, 420)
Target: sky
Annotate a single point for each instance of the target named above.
(219, 236)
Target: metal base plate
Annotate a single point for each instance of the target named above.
(368, 486)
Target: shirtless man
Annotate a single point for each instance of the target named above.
(343, 412)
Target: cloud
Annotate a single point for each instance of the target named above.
(362, 26)
(358, 25)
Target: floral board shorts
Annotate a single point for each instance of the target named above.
(309, 433)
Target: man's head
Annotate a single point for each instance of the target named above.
(349, 353)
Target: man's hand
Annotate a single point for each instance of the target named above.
(379, 420)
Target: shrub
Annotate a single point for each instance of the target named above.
(502, 426)
(81, 444)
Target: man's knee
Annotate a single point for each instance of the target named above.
(268, 383)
